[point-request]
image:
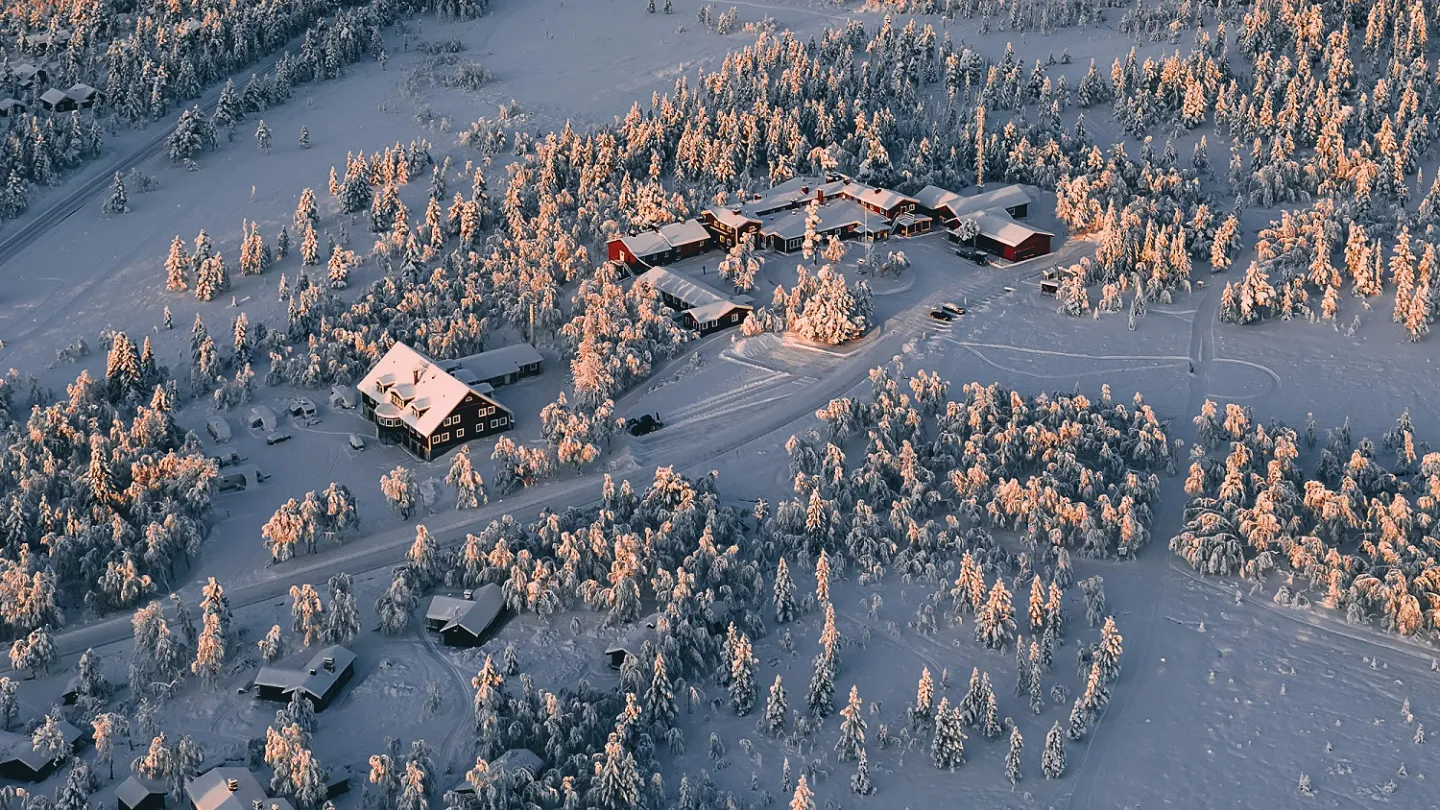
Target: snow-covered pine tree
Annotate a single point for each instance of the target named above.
(1052, 761)
(177, 266)
(995, 623)
(209, 651)
(342, 619)
(1107, 652)
(777, 709)
(784, 594)
(947, 748)
(860, 782)
(469, 486)
(742, 676)
(118, 202)
(304, 137)
(1012, 757)
(263, 137)
(803, 798)
(852, 728)
(660, 706)
(923, 710)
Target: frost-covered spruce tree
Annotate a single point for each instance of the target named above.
(617, 783)
(742, 676)
(822, 581)
(1012, 757)
(990, 725)
(784, 594)
(923, 710)
(309, 247)
(821, 697)
(304, 137)
(263, 137)
(777, 709)
(974, 699)
(947, 747)
(660, 706)
(1052, 761)
(10, 702)
(995, 623)
(860, 782)
(804, 798)
(852, 728)
(1107, 652)
(209, 651)
(118, 202)
(307, 613)
(1094, 590)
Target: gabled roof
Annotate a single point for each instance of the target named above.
(687, 232)
(645, 243)
(472, 615)
(882, 197)
(996, 199)
(715, 311)
(79, 90)
(501, 361)
(21, 748)
(636, 638)
(1003, 228)
(933, 197)
(314, 678)
(688, 290)
(211, 791)
(431, 394)
(833, 215)
(135, 790)
(731, 218)
(53, 96)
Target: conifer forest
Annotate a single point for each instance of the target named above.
(719, 405)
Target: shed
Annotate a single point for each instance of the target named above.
(633, 641)
(56, 100)
(337, 782)
(514, 761)
(27, 74)
(1049, 287)
(20, 761)
(11, 106)
(218, 428)
(263, 418)
(342, 396)
(462, 622)
(140, 794)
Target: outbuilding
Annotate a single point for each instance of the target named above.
(262, 418)
(1003, 236)
(342, 396)
(84, 95)
(11, 106)
(501, 366)
(21, 762)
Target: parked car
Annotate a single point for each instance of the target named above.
(645, 423)
(301, 409)
(356, 443)
(228, 458)
(941, 315)
(953, 309)
(235, 482)
(275, 437)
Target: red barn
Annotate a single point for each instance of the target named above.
(1003, 236)
(670, 243)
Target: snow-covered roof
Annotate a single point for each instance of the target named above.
(910, 218)
(499, 362)
(714, 311)
(135, 790)
(53, 96)
(429, 392)
(636, 638)
(314, 679)
(231, 789)
(1003, 228)
(693, 293)
(21, 748)
(882, 197)
(263, 415)
(472, 615)
(687, 232)
(219, 427)
(933, 197)
(731, 218)
(1003, 197)
(25, 70)
(833, 216)
(645, 243)
(80, 91)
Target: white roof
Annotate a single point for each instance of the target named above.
(472, 615)
(693, 293)
(136, 790)
(636, 638)
(81, 90)
(1003, 228)
(714, 311)
(264, 415)
(313, 678)
(731, 218)
(833, 215)
(687, 232)
(211, 791)
(431, 394)
(933, 197)
(53, 96)
(996, 199)
(645, 243)
(883, 197)
(498, 362)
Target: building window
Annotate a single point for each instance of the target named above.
(459, 433)
(504, 420)
(494, 423)
(480, 428)
(734, 317)
(443, 437)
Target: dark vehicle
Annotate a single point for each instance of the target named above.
(277, 436)
(952, 308)
(228, 459)
(644, 424)
(941, 315)
(973, 255)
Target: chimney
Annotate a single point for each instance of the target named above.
(232, 784)
(469, 594)
(329, 664)
(257, 804)
(312, 670)
(804, 189)
(415, 377)
(820, 196)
